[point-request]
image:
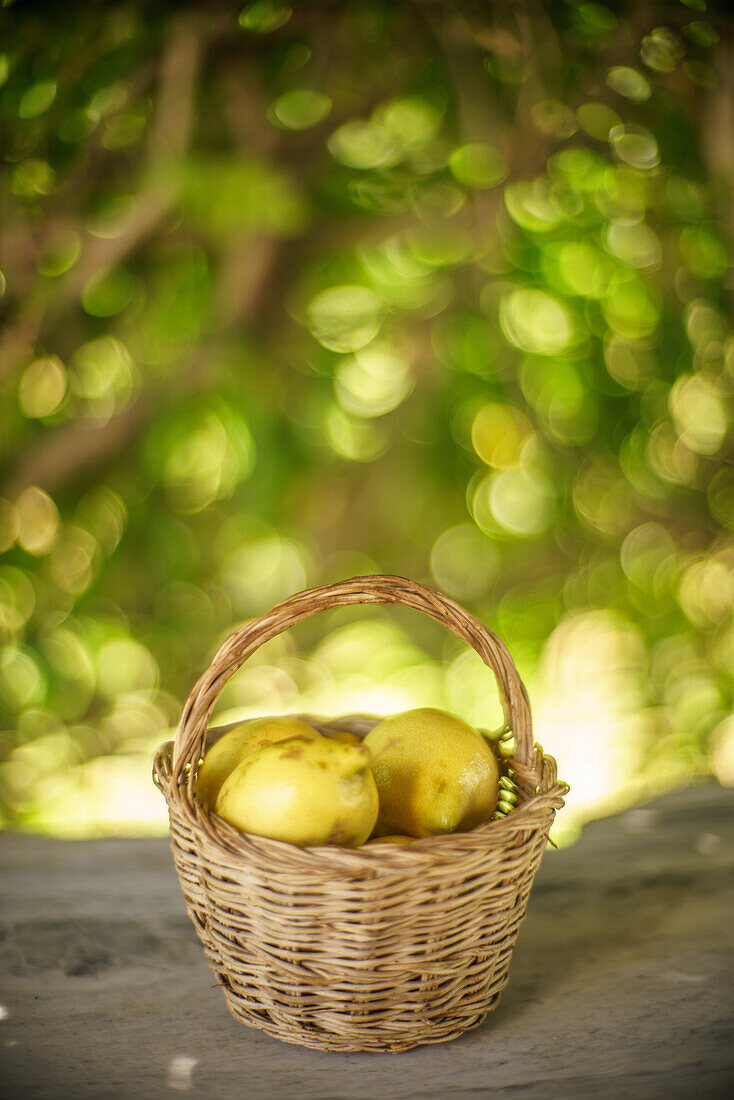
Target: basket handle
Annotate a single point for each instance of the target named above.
(380, 589)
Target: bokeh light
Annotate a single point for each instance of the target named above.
(42, 387)
(38, 521)
(345, 318)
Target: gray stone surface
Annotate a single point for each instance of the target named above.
(621, 984)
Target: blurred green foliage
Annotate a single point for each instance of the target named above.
(291, 294)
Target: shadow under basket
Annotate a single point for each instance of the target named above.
(376, 948)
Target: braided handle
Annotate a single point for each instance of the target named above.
(189, 742)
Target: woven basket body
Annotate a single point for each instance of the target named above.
(376, 948)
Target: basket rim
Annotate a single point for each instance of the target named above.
(221, 837)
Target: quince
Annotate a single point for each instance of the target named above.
(308, 791)
(236, 745)
(397, 840)
(345, 736)
(434, 773)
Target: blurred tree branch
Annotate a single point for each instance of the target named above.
(67, 453)
(718, 135)
(168, 140)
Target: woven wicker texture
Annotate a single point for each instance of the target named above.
(375, 948)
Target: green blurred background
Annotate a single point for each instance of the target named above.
(297, 293)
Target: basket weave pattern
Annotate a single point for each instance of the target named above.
(376, 948)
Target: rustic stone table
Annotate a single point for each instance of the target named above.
(621, 985)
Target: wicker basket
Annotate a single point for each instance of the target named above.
(374, 948)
